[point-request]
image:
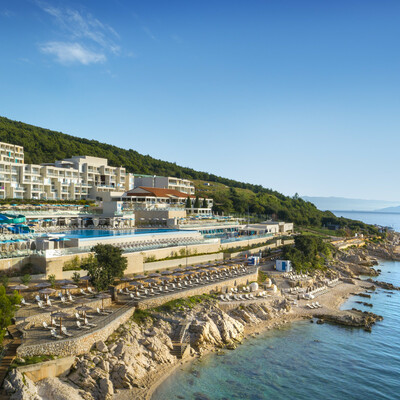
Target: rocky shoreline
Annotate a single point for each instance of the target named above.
(137, 357)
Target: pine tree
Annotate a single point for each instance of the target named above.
(196, 203)
(188, 203)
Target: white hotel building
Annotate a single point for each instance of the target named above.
(75, 178)
(70, 179)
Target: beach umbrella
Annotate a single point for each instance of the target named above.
(126, 279)
(137, 284)
(166, 272)
(64, 282)
(178, 270)
(103, 296)
(47, 291)
(43, 285)
(139, 277)
(60, 315)
(51, 309)
(87, 279)
(69, 286)
(19, 288)
(83, 309)
(150, 280)
(154, 275)
(176, 274)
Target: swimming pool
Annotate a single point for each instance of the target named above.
(101, 233)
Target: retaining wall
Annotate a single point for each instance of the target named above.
(159, 265)
(47, 369)
(219, 286)
(74, 346)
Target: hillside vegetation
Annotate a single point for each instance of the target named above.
(230, 196)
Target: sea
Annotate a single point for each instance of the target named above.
(305, 361)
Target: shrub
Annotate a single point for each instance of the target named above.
(52, 280)
(25, 279)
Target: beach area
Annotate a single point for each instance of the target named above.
(330, 301)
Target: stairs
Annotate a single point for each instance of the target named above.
(9, 356)
(181, 347)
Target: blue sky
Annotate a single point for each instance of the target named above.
(299, 96)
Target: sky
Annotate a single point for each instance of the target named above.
(299, 96)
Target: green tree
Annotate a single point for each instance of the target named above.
(76, 277)
(196, 202)
(188, 203)
(8, 306)
(5, 280)
(52, 280)
(106, 265)
(25, 279)
(205, 204)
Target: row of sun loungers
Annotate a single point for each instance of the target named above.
(243, 297)
(314, 305)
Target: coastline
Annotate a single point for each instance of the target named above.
(331, 302)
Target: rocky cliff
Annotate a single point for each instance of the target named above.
(133, 354)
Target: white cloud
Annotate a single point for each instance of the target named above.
(81, 31)
(72, 53)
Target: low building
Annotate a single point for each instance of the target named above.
(283, 265)
(165, 182)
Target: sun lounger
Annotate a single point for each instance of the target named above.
(23, 302)
(87, 323)
(81, 291)
(45, 326)
(65, 332)
(80, 326)
(54, 335)
(78, 317)
(54, 323)
(90, 290)
(103, 313)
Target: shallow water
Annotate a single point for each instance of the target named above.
(304, 360)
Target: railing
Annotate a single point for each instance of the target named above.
(134, 248)
(247, 237)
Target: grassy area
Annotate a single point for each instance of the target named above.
(31, 360)
(188, 302)
(140, 316)
(246, 248)
(262, 276)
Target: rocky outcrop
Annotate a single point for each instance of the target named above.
(384, 285)
(354, 317)
(18, 387)
(133, 353)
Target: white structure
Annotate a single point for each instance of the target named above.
(76, 178)
(283, 265)
(165, 182)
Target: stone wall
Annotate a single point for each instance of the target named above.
(36, 318)
(192, 249)
(13, 264)
(47, 369)
(160, 265)
(74, 346)
(219, 286)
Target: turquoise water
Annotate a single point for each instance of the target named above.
(92, 233)
(304, 361)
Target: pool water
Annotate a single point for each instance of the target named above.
(95, 233)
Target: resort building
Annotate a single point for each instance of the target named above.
(165, 182)
(75, 178)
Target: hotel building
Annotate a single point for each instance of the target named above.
(74, 178)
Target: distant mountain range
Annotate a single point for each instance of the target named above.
(389, 210)
(346, 204)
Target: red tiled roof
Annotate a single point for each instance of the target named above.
(158, 192)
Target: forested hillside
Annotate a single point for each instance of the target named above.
(43, 145)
